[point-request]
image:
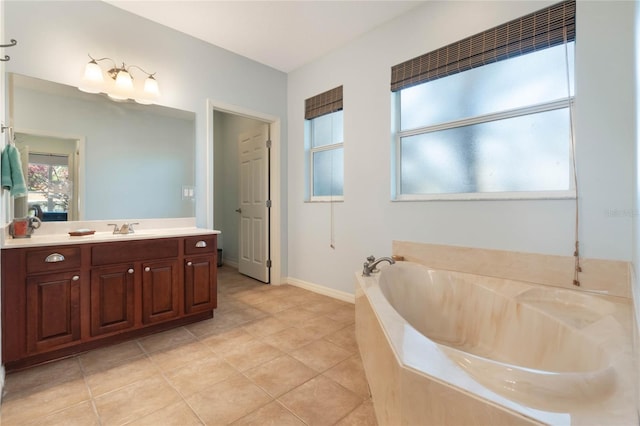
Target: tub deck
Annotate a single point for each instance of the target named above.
(499, 351)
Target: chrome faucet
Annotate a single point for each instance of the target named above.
(126, 228)
(371, 263)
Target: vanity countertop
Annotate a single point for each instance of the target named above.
(57, 233)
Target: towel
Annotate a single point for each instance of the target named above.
(12, 176)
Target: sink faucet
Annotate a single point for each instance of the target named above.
(371, 263)
(126, 228)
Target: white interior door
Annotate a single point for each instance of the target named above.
(253, 247)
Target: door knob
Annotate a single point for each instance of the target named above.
(239, 210)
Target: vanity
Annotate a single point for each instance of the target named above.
(62, 295)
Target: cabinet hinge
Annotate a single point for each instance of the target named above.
(268, 204)
(269, 144)
(269, 263)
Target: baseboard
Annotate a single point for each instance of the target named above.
(320, 289)
(231, 263)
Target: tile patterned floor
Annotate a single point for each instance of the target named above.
(272, 355)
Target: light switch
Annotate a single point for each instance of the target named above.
(188, 192)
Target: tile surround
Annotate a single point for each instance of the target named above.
(610, 277)
(262, 360)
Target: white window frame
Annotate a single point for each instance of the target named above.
(311, 151)
(396, 189)
(520, 195)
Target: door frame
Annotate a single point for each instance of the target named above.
(275, 217)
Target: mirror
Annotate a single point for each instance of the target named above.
(104, 159)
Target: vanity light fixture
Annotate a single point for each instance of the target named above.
(119, 85)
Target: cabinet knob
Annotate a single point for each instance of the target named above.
(130, 270)
(75, 278)
(201, 244)
(54, 257)
(189, 263)
(147, 269)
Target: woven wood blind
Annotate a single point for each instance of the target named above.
(324, 103)
(536, 31)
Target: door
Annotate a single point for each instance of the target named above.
(112, 299)
(253, 247)
(200, 284)
(160, 291)
(53, 310)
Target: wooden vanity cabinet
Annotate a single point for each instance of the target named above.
(149, 275)
(96, 294)
(53, 310)
(160, 291)
(112, 299)
(52, 305)
(200, 274)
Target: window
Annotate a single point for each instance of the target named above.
(495, 123)
(325, 146)
(48, 183)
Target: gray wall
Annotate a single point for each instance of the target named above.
(55, 36)
(367, 221)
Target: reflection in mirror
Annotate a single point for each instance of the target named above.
(50, 167)
(89, 158)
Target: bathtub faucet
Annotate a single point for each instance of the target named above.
(371, 263)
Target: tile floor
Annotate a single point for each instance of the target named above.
(272, 355)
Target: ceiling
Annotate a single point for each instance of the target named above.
(281, 34)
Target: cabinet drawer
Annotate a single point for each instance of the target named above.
(53, 259)
(133, 251)
(200, 245)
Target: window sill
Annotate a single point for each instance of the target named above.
(490, 196)
(325, 200)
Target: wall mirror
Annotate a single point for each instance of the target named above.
(87, 157)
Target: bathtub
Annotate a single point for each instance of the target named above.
(443, 347)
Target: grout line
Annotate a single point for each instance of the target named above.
(184, 399)
(83, 371)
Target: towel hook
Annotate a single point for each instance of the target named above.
(11, 136)
(12, 43)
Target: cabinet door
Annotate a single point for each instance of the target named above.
(160, 291)
(112, 299)
(53, 310)
(200, 282)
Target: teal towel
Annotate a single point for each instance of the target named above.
(12, 176)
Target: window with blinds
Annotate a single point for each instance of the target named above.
(489, 116)
(325, 146)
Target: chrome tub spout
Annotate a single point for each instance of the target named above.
(371, 263)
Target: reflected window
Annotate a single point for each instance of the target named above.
(49, 186)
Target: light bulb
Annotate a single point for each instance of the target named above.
(93, 78)
(124, 80)
(151, 86)
(93, 72)
(150, 92)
